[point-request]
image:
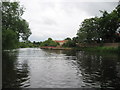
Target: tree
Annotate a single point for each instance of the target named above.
(88, 31)
(49, 42)
(101, 29)
(108, 26)
(49, 39)
(69, 43)
(68, 38)
(13, 26)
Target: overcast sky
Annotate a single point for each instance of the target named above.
(61, 19)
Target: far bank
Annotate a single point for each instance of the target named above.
(101, 49)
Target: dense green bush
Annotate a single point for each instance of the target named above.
(69, 43)
(49, 42)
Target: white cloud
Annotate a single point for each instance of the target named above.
(59, 20)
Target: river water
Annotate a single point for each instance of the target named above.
(38, 68)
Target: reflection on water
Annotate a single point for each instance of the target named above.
(100, 70)
(36, 68)
(14, 74)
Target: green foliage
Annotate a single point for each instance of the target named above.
(29, 44)
(69, 43)
(108, 26)
(36, 44)
(49, 39)
(13, 26)
(23, 45)
(88, 31)
(100, 29)
(75, 39)
(9, 40)
(68, 38)
(101, 49)
(49, 42)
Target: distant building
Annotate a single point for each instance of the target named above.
(61, 42)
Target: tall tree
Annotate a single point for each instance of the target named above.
(108, 26)
(102, 28)
(13, 26)
(88, 30)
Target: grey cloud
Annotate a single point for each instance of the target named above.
(62, 19)
(92, 8)
(49, 21)
(44, 37)
(44, 21)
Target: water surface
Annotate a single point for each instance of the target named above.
(37, 68)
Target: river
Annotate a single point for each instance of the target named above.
(38, 68)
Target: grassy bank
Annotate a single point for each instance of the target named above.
(100, 49)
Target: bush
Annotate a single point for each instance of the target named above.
(49, 42)
(69, 43)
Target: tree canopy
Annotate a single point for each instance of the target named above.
(101, 29)
(14, 26)
(70, 42)
(49, 42)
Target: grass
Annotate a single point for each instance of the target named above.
(100, 49)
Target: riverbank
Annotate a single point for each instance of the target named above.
(99, 49)
(55, 48)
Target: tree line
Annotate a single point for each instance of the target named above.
(103, 29)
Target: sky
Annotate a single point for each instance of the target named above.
(60, 19)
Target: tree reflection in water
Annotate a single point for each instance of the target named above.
(99, 70)
(12, 76)
(96, 70)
